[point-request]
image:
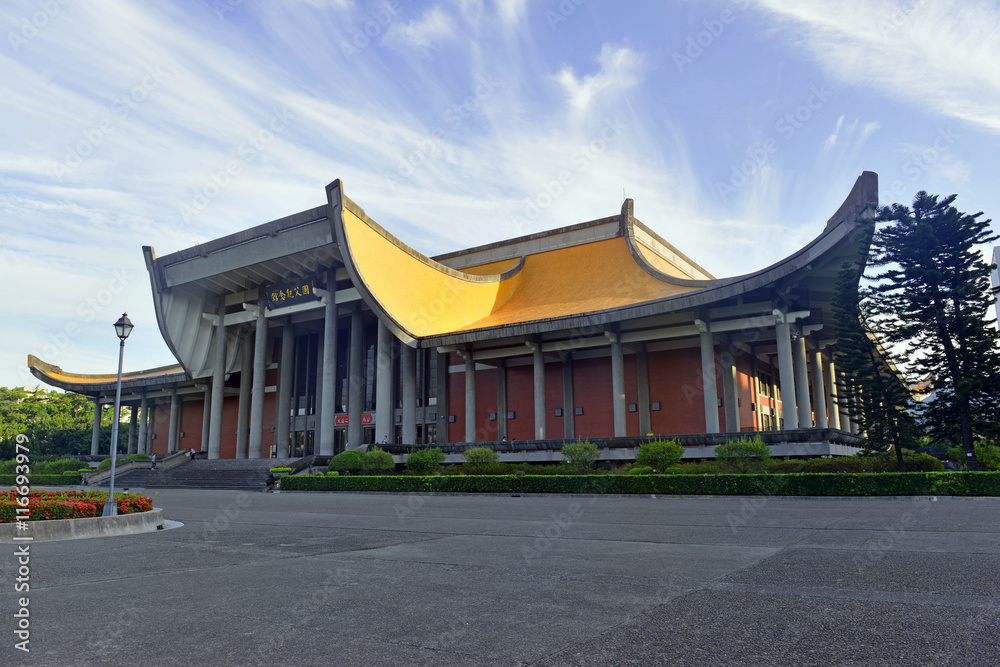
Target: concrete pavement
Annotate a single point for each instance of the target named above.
(357, 579)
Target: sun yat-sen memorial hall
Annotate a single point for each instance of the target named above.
(322, 331)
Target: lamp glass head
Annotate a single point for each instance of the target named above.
(123, 327)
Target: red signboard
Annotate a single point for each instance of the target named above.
(367, 419)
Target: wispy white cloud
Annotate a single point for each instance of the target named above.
(502, 127)
(843, 133)
(618, 67)
(511, 12)
(434, 27)
(938, 55)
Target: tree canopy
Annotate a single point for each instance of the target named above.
(56, 424)
(930, 292)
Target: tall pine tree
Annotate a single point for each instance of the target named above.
(875, 393)
(933, 294)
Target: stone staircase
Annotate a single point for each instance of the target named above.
(240, 474)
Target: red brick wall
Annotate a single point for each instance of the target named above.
(631, 396)
(486, 402)
(553, 399)
(675, 381)
(230, 417)
(744, 389)
(191, 416)
(592, 392)
(521, 401)
(456, 406)
(160, 424)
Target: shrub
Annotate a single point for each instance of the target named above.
(137, 457)
(660, 454)
(641, 470)
(480, 458)
(882, 484)
(281, 469)
(988, 455)
(104, 465)
(377, 460)
(956, 454)
(581, 455)
(743, 455)
(333, 473)
(347, 461)
(56, 467)
(424, 461)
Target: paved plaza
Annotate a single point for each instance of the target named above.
(368, 579)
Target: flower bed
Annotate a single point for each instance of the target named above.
(68, 504)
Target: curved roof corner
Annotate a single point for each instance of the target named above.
(414, 295)
(96, 384)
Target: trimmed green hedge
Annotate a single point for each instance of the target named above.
(799, 484)
(66, 478)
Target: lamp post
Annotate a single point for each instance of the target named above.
(123, 327)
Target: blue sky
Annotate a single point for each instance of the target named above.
(737, 128)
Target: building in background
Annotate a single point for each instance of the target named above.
(321, 331)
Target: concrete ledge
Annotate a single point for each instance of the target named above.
(76, 529)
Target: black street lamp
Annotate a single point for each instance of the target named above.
(123, 327)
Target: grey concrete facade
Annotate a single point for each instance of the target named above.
(221, 286)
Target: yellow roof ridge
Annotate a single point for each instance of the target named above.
(57, 373)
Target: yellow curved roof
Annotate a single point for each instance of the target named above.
(425, 298)
(57, 374)
(579, 279)
(420, 295)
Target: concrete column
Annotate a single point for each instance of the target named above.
(801, 382)
(834, 411)
(175, 420)
(730, 396)
(618, 386)
(218, 384)
(150, 420)
(286, 374)
(243, 417)
(843, 403)
(143, 420)
(755, 385)
(356, 380)
(569, 411)
(328, 407)
(442, 397)
(855, 408)
(707, 341)
(95, 435)
(470, 396)
(256, 440)
(819, 389)
(408, 368)
(538, 375)
(501, 400)
(206, 417)
(318, 401)
(131, 429)
(642, 378)
(783, 335)
(384, 382)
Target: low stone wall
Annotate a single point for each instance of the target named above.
(75, 529)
